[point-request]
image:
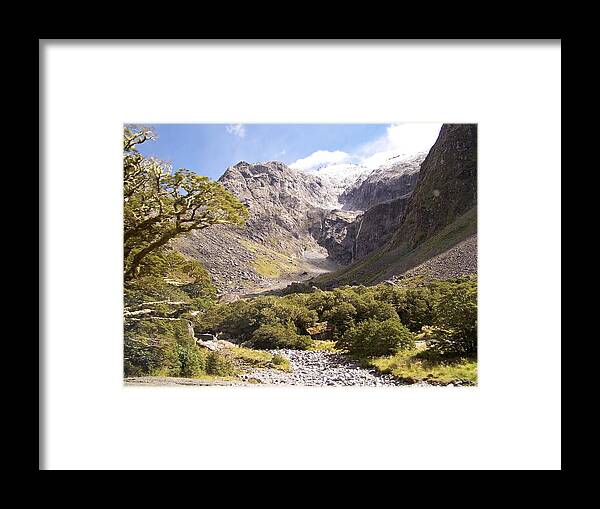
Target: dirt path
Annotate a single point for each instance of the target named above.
(170, 380)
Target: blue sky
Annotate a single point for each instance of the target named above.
(208, 149)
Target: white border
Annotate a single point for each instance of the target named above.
(512, 420)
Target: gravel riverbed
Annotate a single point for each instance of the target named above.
(321, 368)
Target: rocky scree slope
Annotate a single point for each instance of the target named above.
(282, 204)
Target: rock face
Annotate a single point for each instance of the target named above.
(283, 204)
(377, 225)
(394, 179)
(438, 214)
(335, 231)
(447, 186)
(276, 195)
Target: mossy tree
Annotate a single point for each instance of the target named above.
(161, 204)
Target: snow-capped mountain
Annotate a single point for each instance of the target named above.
(396, 177)
(344, 180)
(338, 178)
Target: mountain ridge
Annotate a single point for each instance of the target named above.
(303, 224)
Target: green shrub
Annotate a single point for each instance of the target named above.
(278, 359)
(152, 289)
(276, 336)
(192, 360)
(416, 308)
(218, 364)
(274, 310)
(280, 362)
(372, 338)
(341, 316)
(380, 311)
(275, 322)
(455, 321)
(237, 319)
(151, 345)
(163, 347)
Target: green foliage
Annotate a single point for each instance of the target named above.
(168, 277)
(280, 362)
(218, 364)
(374, 338)
(152, 289)
(240, 319)
(413, 305)
(193, 361)
(236, 319)
(455, 322)
(342, 316)
(276, 336)
(447, 310)
(416, 366)
(161, 204)
(157, 345)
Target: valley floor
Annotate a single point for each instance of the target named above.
(320, 368)
(312, 264)
(306, 368)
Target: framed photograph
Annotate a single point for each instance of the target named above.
(322, 255)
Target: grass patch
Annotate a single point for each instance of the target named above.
(268, 262)
(416, 365)
(318, 344)
(247, 359)
(280, 362)
(266, 267)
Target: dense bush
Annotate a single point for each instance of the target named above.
(455, 321)
(367, 322)
(169, 276)
(272, 310)
(276, 336)
(166, 348)
(342, 316)
(236, 319)
(193, 361)
(373, 338)
(416, 308)
(218, 364)
(155, 347)
(277, 322)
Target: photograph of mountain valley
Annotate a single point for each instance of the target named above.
(300, 254)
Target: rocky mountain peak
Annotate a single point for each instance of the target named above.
(395, 178)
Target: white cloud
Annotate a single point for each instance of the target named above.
(236, 130)
(412, 138)
(320, 158)
(407, 139)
